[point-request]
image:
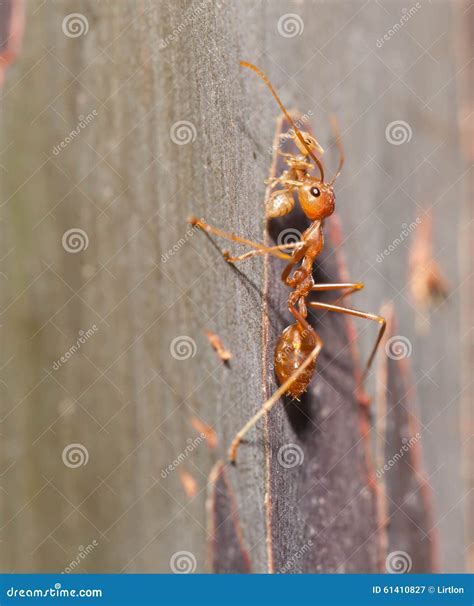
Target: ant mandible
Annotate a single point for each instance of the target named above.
(299, 345)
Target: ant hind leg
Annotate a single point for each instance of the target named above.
(349, 287)
(359, 314)
(270, 403)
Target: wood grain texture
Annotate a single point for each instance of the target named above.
(227, 551)
(129, 183)
(322, 516)
(408, 534)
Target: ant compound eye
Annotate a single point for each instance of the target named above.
(314, 191)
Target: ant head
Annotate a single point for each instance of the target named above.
(315, 195)
(316, 198)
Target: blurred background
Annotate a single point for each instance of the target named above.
(117, 121)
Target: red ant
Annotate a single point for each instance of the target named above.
(299, 345)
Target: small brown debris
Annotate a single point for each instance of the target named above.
(203, 428)
(223, 353)
(428, 286)
(188, 483)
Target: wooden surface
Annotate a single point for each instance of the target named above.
(126, 183)
(320, 495)
(408, 532)
(323, 503)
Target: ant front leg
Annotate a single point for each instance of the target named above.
(295, 161)
(359, 314)
(260, 249)
(270, 250)
(296, 258)
(282, 180)
(274, 181)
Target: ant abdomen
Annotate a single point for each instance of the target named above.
(293, 347)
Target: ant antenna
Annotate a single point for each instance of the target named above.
(340, 147)
(287, 115)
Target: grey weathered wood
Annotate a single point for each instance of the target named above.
(227, 552)
(408, 535)
(130, 187)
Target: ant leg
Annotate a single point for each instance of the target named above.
(262, 251)
(270, 403)
(274, 181)
(301, 163)
(296, 258)
(302, 320)
(350, 286)
(358, 314)
(233, 238)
